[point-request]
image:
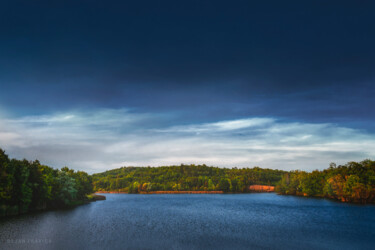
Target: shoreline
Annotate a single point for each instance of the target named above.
(90, 198)
(221, 192)
(163, 192)
(251, 189)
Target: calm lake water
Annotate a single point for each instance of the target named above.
(196, 221)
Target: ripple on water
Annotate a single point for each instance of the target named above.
(197, 221)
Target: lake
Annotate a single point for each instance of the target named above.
(196, 221)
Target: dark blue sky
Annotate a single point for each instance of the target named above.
(198, 61)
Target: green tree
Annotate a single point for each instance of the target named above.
(67, 191)
(211, 185)
(224, 185)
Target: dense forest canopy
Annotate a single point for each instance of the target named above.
(352, 182)
(28, 186)
(184, 178)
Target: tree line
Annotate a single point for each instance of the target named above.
(184, 178)
(352, 182)
(28, 186)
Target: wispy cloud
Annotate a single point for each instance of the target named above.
(222, 126)
(107, 138)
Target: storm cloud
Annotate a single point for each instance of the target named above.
(96, 85)
(104, 139)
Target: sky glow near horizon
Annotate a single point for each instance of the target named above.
(104, 139)
(99, 85)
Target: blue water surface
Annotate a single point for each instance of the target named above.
(196, 221)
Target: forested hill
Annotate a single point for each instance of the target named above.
(28, 186)
(184, 178)
(352, 182)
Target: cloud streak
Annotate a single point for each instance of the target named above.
(108, 138)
